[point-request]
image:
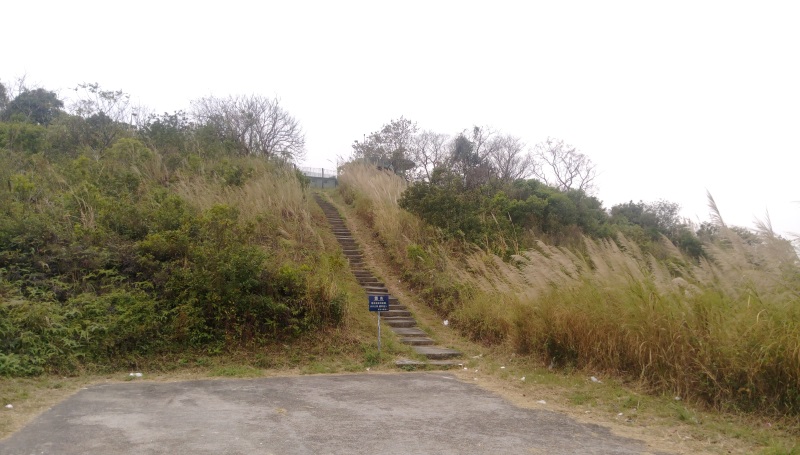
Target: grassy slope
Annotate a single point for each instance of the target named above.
(722, 333)
(79, 229)
(474, 278)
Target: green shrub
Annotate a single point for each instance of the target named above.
(23, 137)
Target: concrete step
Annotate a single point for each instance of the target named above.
(417, 341)
(436, 352)
(369, 282)
(399, 322)
(407, 332)
(397, 307)
(419, 364)
(376, 290)
(396, 313)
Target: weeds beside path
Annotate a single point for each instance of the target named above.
(663, 421)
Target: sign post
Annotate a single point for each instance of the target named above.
(379, 303)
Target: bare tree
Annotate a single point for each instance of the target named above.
(107, 114)
(429, 151)
(562, 166)
(93, 100)
(483, 146)
(508, 157)
(258, 125)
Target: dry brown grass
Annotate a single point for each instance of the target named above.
(725, 330)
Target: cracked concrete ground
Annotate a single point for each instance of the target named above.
(333, 414)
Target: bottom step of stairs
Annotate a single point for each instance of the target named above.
(414, 364)
(436, 353)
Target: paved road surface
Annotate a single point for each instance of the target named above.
(407, 413)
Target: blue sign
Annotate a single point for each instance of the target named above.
(378, 303)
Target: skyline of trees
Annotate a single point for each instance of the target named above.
(96, 117)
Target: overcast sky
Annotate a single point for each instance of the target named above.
(669, 98)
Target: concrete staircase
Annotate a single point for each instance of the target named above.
(398, 318)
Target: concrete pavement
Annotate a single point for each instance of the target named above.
(399, 413)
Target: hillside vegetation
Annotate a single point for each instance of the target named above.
(718, 322)
(123, 242)
(126, 236)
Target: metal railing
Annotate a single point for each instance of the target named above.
(318, 172)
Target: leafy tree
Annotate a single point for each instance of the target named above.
(3, 96)
(661, 218)
(23, 137)
(167, 132)
(391, 146)
(707, 231)
(37, 106)
(445, 202)
(467, 161)
(637, 213)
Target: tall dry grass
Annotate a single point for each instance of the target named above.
(284, 220)
(725, 330)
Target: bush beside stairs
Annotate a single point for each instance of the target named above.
(398, 318)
